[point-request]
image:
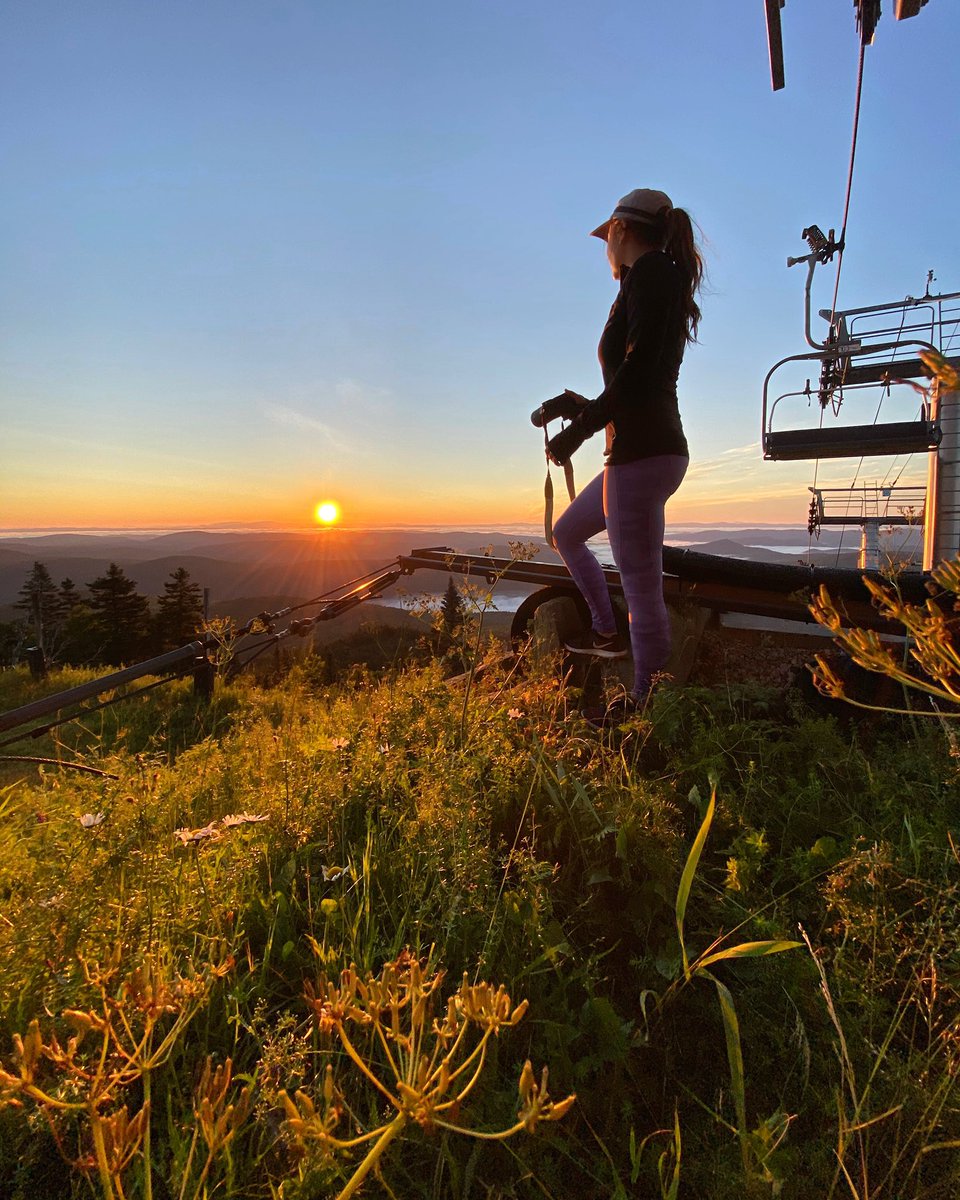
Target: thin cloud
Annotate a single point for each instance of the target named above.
(290, 418)
(364, 396)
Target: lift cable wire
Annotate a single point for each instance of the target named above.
(853, 154)
(884, 392)
(376, 579)
(909, 458)
(810, 525)
(266, 618)
(843, 239)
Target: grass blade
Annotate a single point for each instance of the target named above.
(689, 872)
(746, 950)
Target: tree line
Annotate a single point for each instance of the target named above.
(107, 623)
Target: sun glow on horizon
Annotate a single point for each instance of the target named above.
(327, 513)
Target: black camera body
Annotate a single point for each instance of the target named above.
(566, 405)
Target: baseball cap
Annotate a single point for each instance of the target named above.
(642, 204)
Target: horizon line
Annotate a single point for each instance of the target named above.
(261, 527)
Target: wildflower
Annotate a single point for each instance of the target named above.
(242, 818)
(331, 874)
(334, 743)
(515, 714)
(92, 820)
(189, 837)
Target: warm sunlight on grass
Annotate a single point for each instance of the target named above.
(327, 513)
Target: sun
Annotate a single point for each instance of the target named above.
(327, 513)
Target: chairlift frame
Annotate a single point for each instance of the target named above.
(840, 370)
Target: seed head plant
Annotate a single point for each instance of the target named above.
(129, 1031)
(422, 1066)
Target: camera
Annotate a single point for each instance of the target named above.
(566, 405)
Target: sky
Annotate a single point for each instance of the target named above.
(257, 254)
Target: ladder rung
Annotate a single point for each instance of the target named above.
(851, 441)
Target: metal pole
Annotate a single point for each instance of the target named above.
(869, 559)
(96, 687)
(941, 536)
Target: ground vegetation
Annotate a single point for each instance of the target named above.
(321, 935)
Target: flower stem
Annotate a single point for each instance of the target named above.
(373, 1157)
(147, 1165)
(101, 1151)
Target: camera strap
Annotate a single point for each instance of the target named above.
(548, 493)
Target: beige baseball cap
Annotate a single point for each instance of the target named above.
(642, 204)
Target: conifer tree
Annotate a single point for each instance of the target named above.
(40, 601)
(80, 638)
(179, 611)
(121, 615)
(451, 607)
(68, 596)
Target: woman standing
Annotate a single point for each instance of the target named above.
(653, 253)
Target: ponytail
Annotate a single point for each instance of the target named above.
(672, 231)
(681, 244)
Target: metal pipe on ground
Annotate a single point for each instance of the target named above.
(96, 687)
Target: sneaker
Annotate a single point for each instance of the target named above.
(598, 645)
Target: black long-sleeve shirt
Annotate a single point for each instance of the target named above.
(640, 352)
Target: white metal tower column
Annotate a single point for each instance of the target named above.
(941, 535)
(869, 559)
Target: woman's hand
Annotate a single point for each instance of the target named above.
(562, 447)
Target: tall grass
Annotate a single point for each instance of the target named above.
(286, 835)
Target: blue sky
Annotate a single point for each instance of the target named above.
(256, 255)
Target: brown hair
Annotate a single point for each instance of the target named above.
(672, 231)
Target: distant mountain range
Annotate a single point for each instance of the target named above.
(249, 571)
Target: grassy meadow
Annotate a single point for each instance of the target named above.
(279, 945)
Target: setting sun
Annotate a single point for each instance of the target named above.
(327, 512)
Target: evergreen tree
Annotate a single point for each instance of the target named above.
(40, 601)
(68, 596)
(80, 638)
(451, 607)
(121, 615)
(179, 611)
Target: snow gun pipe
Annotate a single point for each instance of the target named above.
(712, 581)
(59, 700)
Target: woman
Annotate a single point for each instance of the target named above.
(653, 253)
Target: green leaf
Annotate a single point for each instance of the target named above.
(671, 1190)
(686, 879)
(746, 950)
(731, 1030)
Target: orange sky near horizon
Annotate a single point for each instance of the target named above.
(778, 497)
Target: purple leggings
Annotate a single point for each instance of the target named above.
(628, 501)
